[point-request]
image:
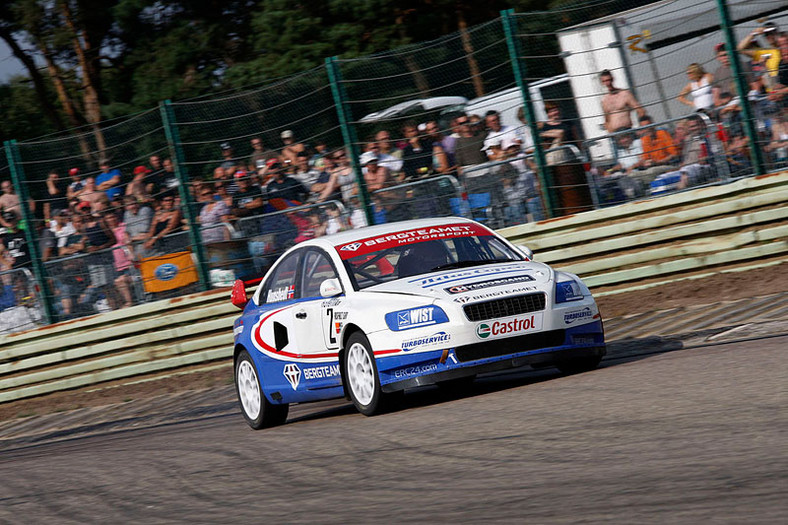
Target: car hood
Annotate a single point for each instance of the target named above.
(473, 284)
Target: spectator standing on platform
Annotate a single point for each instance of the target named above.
(700, 86)
(75, 185)
(442, 149)
(229, 164)
(496, 132)
(316, 191)
(259, 155)
(285, 187)
(9, 202)
(291, 148)
(768, 54)
(524, 137)
(658, 146)
(14, 240)
(56, 196)
(618, 104)
(138, 187)
(305, 174)
(109, 180)
(98, 237)
(154, 176)
(383, 138)
(249, 199)
(169, 180)
(780, 92)
(393, 164)
(417, 154)
(62, 228)
(90, 193)
(166, 220)
(137, 219)
(468, 147)
(212, 215)
(341, 179)
(120, 259)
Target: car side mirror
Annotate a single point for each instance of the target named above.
(526, 251)
(330, 288)
(238, 296)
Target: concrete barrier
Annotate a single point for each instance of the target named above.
(705, 230)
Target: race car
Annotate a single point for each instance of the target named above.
(368, 313)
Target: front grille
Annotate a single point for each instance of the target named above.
(520, 304)
(510, 345)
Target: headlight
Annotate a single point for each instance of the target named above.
(568, 291)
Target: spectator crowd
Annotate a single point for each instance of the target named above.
(94, 227)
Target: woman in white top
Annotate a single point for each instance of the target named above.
(700, 86)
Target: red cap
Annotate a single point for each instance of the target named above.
(240, 174)
(270, 163)
(141, 169)
(82, 205)
(73, 171)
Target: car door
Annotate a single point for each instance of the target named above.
(318, 321)
(273, 332)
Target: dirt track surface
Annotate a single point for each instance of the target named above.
(690, 436)
(685, 293)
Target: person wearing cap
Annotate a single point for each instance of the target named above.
(138, 187)
(291, 148)
(109, 180)
(9, 201)
(75, 184)
(62, 228)
(249, 199)
(56, 196)
(229, 164)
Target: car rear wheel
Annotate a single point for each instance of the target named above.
(363, 381)
(256, 409)
(579, 364)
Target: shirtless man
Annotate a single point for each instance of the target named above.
(617, 104)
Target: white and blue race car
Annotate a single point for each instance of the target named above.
(368, 313)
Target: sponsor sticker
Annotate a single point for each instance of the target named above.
(477, 297)
(415, 370)
(578, 315)
(519, 325)
(166, 272)
(438, 338)
(436, 280)
(284, 293)
(501, 281)
(415, 318)
(292, 374)
(364, 246)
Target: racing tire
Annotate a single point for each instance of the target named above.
(257, 410)
(579, 364)
(363, 380)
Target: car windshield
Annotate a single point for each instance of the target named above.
(414, 252)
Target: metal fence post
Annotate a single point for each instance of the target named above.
(348, 132)
(195, 236)
(39, 271)
(741, 88)
(520, 74)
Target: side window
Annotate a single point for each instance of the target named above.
(317, 268)
(282, 284)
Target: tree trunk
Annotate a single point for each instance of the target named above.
(90, 80)
(38, 80)
(467, 46)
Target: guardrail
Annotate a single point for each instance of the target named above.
(640, 243)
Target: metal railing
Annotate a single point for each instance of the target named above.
(20, 301)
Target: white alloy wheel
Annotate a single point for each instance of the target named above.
(360, 374)
(248, 389)
(258, 411)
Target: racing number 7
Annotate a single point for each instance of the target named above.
(331, 337)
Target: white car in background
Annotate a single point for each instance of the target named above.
(368, 313)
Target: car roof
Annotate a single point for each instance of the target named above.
(382, 229)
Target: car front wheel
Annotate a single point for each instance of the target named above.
(256, 409)
(363, 381)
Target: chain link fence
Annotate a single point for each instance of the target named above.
(524, 118)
